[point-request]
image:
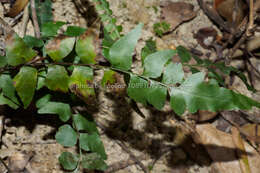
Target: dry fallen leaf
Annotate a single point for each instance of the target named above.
(206, 36)
(222, 150)
(243, 160)
(229, 118)
(17, 8)
(235, 117)
(227, 9)
(176, 13)
(252, 132)
(202, 116)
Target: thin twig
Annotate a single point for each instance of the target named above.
(124, 147)
(251, 45)
(121, 165)
(37, 143)
(165, 151)
(250, 117)
(15, 20)
(213, 15)
(96, 67)
(249, 72)
(35, 60)
(236, 32)
(6, 167)
(253, 67)
(243, 38)
(7, 28)
(2, 124)
(25, 20)
(239, 129)
(251, 18)
(237, 45)
(35, 20)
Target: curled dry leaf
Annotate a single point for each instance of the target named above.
(222, 150)
(234, 11)
(176, 13)
(17, 8)
(206, 36)
(202, 116)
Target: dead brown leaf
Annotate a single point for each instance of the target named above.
(202, 116)
(237, 140)
(234, 117)
(233, 11)
(229, 119)
(17, 8)
(252, 132)
(222, 150)
(206, 36)
(176, 13)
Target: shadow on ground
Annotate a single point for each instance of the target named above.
(122, 129)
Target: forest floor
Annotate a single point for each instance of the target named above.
(160, 142)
